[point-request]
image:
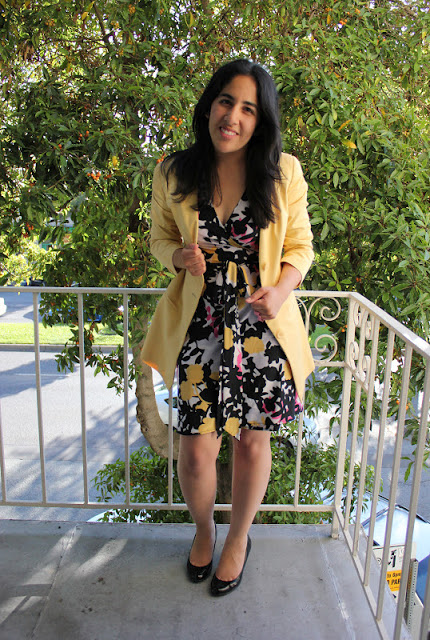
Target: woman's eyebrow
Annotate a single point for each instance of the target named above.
(227, 95)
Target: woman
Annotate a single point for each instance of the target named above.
(229, 220)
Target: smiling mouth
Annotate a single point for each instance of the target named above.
(227, 132)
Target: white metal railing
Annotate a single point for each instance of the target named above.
(367, 373)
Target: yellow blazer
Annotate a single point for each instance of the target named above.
(288, 239)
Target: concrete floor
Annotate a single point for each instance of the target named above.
(94, 581)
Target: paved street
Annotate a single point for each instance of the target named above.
(62, 432)
(19, 306)
(62, 425)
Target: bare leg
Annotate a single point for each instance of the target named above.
(252, 462)
(198, 480)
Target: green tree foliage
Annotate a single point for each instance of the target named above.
(356, 110)
(28, 262)
(95, 93)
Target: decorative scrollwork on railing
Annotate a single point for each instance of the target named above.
(356, 314)
(360, 366)
(356, 358)
(364, 370)
(321, 346)
(362, 321)
(353, 353)
(325, 345)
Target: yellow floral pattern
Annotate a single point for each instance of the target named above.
(194, 373)
(207, 426)
(232, 426)
(253, 345)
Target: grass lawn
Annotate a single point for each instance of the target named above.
(23, 333)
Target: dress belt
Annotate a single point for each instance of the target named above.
(229, 413)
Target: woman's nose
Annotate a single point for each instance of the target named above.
(232, 116)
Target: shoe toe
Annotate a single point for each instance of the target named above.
(223, 587)
(198, 574)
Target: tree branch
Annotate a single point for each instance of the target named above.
(103, 30)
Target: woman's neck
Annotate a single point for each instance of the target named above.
(231, 170)
(230, 188)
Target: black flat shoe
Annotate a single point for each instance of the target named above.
(198, 574)
(222, 587)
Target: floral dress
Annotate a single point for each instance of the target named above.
(233, 373)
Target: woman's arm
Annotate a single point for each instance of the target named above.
(267, 301)
(166, 241)
(297, 253)
(165, 237)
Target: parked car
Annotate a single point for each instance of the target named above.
(421, 539)
(36, 282)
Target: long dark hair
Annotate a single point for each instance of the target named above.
(194, 168)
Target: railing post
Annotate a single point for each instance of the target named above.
(39, 395)
(343, 434)
(170, 450)
(394, 480)
(367, 424)
(125, 319)
(418, 466)
(83, 395)
(2, 464)
(380, 452)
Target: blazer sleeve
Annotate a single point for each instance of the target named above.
(165, 236)
(297, 245)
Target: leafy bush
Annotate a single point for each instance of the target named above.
(148, 483)
(149, 473)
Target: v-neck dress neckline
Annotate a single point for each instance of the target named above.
(224, 224)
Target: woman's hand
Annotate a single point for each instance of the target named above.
(190, 258)
(266, 302)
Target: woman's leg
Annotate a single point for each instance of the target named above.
(198, 480)
(252, 461)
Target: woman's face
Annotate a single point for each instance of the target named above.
(233, 117)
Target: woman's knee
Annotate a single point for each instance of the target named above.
(253, 445)
(197, 453)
